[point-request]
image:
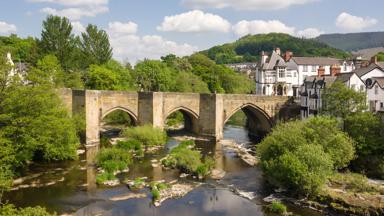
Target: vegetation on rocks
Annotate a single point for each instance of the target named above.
(277, 208)
(147, 135)
(11, 210)
(187, 160)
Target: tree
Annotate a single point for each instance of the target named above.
(57, 39)
(188, 82)
(110, 76)
(300, 155)
(95, 46)
(367, 130)
(341, 101)
(153, 75)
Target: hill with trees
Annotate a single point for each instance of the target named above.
(353, 41)
(248, 48)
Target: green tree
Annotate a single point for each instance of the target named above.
(153, 75)
(95, 46)
(57, 39)
(341, 101)
(300, 155)
(367, 130)
(188, 82)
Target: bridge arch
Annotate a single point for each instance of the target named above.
(132, 115)
(259, 123)
(191, 118)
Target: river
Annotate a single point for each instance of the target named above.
(70, 188)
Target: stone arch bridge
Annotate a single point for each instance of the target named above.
(204, 114)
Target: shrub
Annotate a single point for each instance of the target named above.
(113, 159)
(155, 194)
(9, 210)
(300, 155)
(147, 135)
(277, 207)
(129, 145)
(105, 176)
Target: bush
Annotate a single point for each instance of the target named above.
(300, 155)
(129, 145)
(277, 207)
(105, 176)
(184, 158)
(155, 194)
(10, 210)
(147, 135)
(113, 159)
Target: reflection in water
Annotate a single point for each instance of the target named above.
(212, 198)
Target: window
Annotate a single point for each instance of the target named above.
(305, 68)
(281, 73)
(362, 87)
(381, 105)
(353, 86)
(313, 68)
(376, 90)
(295, 74)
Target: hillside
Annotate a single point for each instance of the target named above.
(248, 48)
(353, 41)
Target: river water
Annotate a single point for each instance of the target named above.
(70, 188)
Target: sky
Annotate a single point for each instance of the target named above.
(141, 29)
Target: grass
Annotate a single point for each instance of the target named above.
(133, 146)
(113, 159)
(147, 135)
(156, 187)
(354, 182)
(277, 208)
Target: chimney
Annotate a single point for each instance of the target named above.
(277, 50)
(374, 59)
(288, 55)
(264, 57)
(321, 71)
(335, 70)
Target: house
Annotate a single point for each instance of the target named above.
(372, 70)
(284, 74)
(18, 68)
(313, 87)
(248, 68)
(375, 94)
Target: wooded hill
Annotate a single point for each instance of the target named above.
(248, 48)
(353, 41)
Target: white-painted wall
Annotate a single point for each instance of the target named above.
(374, 73)
(376, 99)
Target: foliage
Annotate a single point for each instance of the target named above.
(147, 135)
(277, 208)
(104, 177)
(380, 56)
(156, 187)
(153, 75)
(118, 117)
(238, 119)
(110, 76)
(367, 130)
(300, 155)
(132, 145)
(11, 210)
(175, 119)
(249, 47)
(6, 180)
(340, 101)
(187, 160)
(189, 82)
(113, 159)
(22, 49)
(95, 46)
(57, 39)
(353, 41)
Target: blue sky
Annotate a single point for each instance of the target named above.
(149, 29)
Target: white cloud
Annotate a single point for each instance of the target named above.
(195, 21)
(73, 2)
(245, 27)
(309, 33)
(129, 46)
(6, 28)
(120, 28)
(244, 4)
(76, 13)
(78, 28)
(354, 23)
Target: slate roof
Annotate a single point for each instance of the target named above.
(380, 64)
(322, 61)
(344, 77)
(379, 81)
(364, 70)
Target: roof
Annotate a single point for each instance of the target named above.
(367, 54)
(344, 77)
(380, 64)
(364, 70)
(21, 66)
(322, 61)
(379, 81)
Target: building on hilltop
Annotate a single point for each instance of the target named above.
(284, 74)
(247, 68)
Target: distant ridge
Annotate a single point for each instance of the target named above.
(353, 41)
